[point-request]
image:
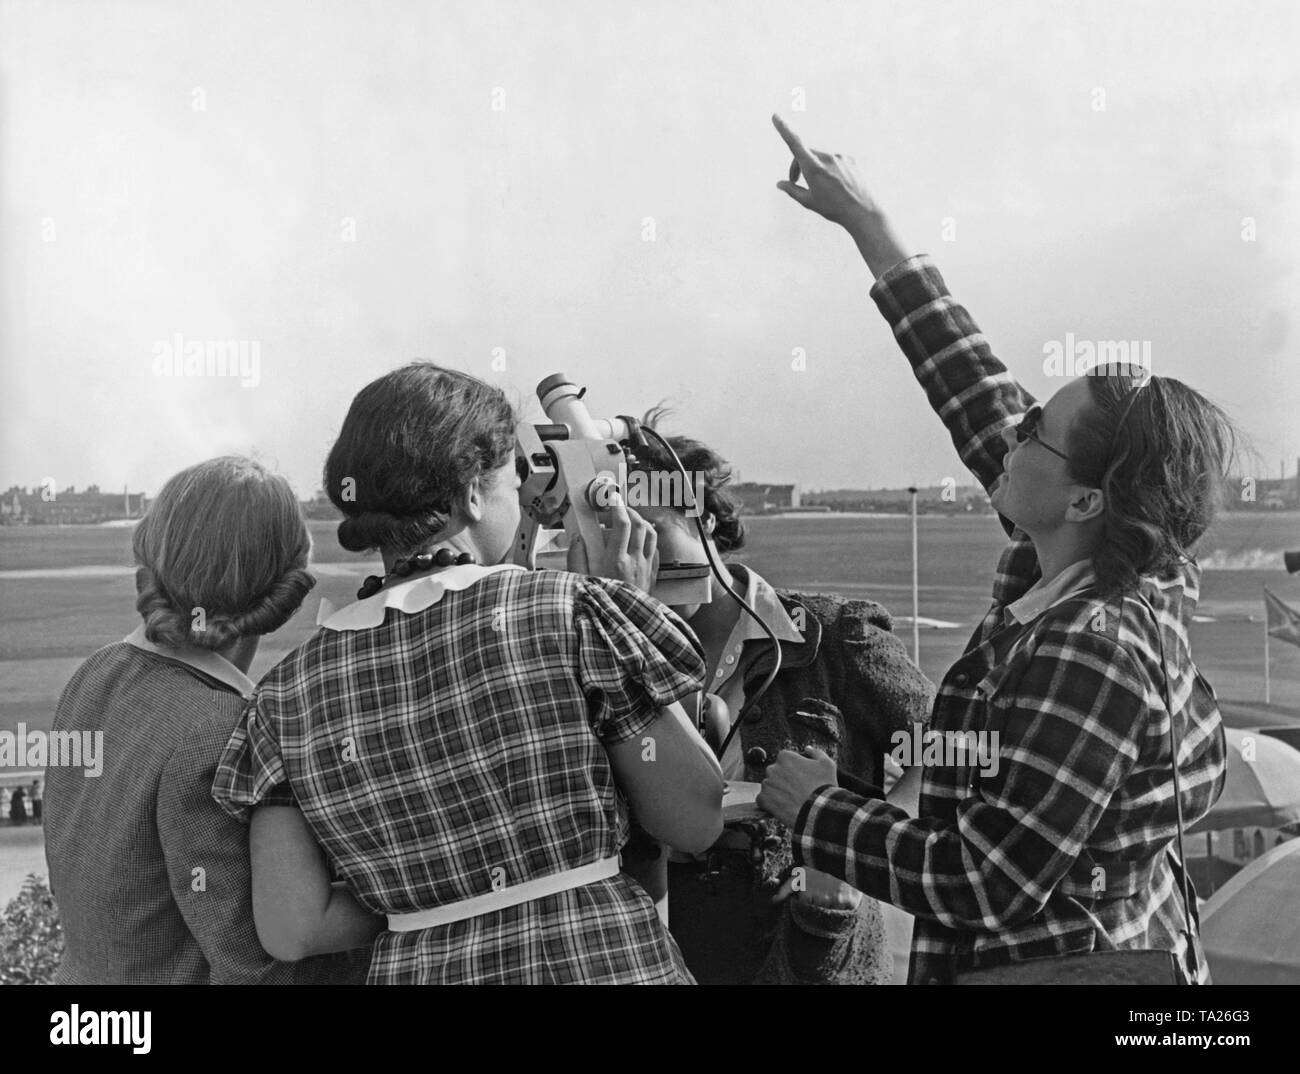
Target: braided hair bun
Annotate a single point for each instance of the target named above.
(411, 443)
(220, 555)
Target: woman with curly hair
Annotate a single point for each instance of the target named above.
(846, 685)
(1080, 675)
(462, 743)
(151, 877)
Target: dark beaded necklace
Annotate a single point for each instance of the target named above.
(404, 568)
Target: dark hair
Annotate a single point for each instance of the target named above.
(715, 473)
(221, 554)
(410, 445)
(1160, 453)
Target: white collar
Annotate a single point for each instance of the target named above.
(408, 597)
(760, 596)
(212, 664)
(1046, 594)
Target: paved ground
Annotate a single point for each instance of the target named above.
(22, 851)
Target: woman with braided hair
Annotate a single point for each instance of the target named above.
(151, 877)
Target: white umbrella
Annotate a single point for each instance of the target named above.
(1262, 788)
(1250, 927)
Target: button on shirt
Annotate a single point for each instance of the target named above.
(728, 680)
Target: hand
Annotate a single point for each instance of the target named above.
(836, 192)
(820, 889)
(791, 781)
(630, 552)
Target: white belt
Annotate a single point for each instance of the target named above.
(506, 897)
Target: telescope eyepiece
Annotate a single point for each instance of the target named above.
(555, 380)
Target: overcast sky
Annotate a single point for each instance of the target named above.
(354, 185)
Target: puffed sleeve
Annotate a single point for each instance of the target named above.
(635, 656)
(251, 771)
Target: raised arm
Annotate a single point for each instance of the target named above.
(967, 386)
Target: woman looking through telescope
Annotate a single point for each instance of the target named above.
(845, 685)
(458, 744)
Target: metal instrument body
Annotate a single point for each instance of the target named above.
(568, 469)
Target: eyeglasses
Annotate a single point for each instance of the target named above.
(1027, 427)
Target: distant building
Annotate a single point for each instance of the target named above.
(759, 499)
(948, 499)
(12, 512)
(45, 507)
(1265, 493)
(319, 507)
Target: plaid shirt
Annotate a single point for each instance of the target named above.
(460, 743)
(1064, 848)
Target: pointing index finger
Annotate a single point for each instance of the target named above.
(800, 151)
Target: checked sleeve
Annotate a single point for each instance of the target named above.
(251, 771)
(1069, 736)
(635, 656)
(970, 390)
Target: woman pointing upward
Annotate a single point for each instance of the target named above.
(1103, 491)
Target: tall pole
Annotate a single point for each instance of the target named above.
(916, 588)
(1267, 692)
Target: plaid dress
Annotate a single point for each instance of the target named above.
(1065, 848)
(453, 748)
